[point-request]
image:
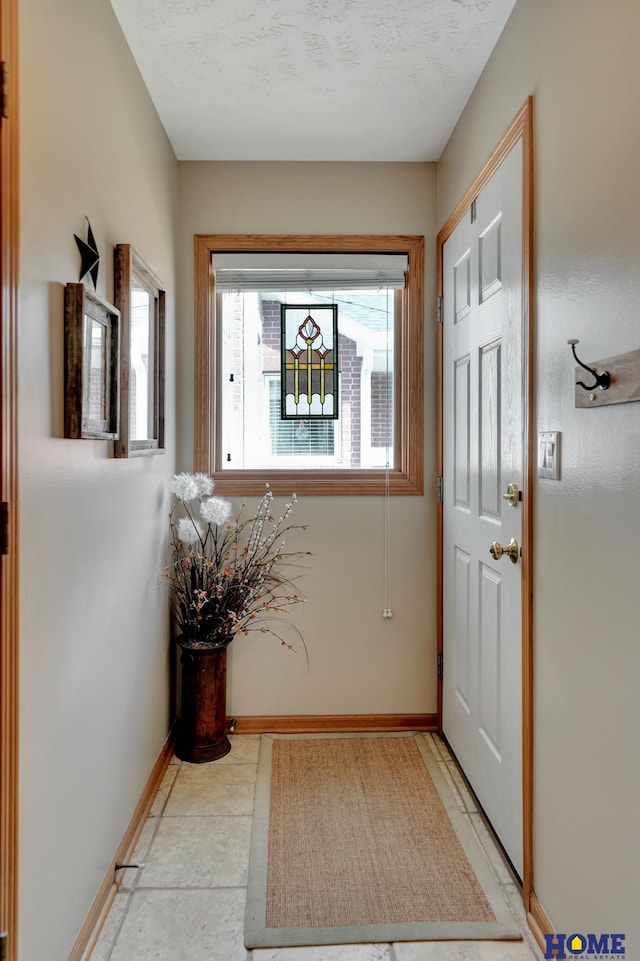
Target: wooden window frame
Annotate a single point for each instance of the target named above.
(127, 265)
(407, 476)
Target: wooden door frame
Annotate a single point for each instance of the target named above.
(9, 254)
(521, 128)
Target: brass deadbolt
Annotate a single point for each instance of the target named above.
(512, 496)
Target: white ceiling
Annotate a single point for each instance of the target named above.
(310, 79)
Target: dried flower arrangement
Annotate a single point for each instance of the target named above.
(228, 574)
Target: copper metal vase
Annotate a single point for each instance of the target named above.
(203, 712)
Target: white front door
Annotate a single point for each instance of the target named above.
(483, 453)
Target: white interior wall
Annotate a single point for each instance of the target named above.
(94, 667)
(579, 59)
(359, 662)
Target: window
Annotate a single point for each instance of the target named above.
(254, 434)
(240, 434)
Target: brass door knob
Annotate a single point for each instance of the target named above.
(511, 549)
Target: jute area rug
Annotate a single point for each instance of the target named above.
(357, 838)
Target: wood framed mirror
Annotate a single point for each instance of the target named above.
(91, 355)
(140, 298)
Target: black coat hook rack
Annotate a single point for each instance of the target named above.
(602, 379)
(616, 379)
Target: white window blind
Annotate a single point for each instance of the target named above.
(306, 272)
(298, 439)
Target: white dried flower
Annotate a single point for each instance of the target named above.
(205, 484)
(215, 510)
(185, 487)
(189, 531)
(189, 486)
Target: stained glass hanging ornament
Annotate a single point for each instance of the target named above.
(309, 353)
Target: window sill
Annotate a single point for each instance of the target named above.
(340, 483)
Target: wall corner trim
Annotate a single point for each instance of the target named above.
(538, 920)
(90, 930)
(9, 487)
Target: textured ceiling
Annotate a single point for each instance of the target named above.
(310, 79)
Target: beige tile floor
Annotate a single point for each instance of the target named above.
(187, 903)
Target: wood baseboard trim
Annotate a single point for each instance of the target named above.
(538, 921)
(90, 931)
(335, 723)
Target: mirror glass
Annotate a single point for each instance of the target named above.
(97, 370)
(142, 364)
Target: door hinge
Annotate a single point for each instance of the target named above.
(440, 310)
(4, 95)
(440, 660)
(440, 489)
(4, 938)
(4, 529)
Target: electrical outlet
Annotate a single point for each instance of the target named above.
(387, 612)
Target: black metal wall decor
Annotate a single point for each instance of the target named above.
(309, 357)
(89, 254)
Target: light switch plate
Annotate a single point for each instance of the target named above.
(549, 454)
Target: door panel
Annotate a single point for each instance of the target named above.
(490, 493)
(462, 620)
(462, 425)
(483, 452)
(489, 658)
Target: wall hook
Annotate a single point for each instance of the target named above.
(603, 379)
